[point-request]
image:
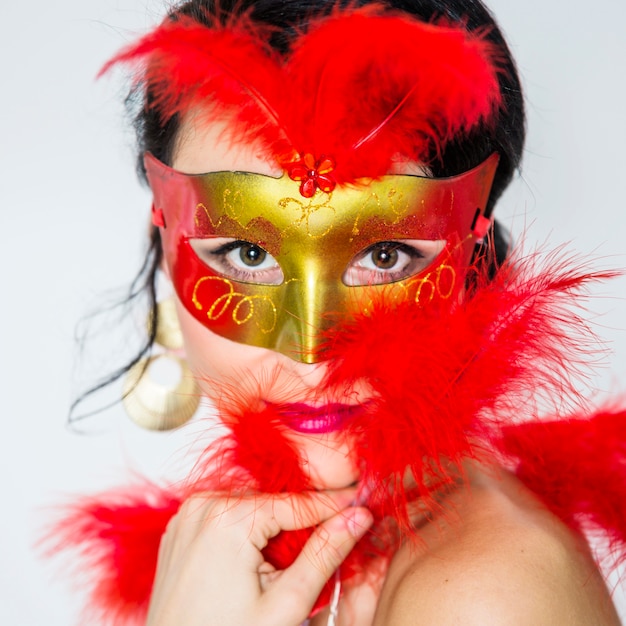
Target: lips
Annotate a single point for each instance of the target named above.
(317, 420)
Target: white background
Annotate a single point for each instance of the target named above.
(73, 218)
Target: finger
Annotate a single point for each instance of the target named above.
(296, 511)
(269, 515)
(299, 585)
(267, 575)
(238, 520)
(186, 524)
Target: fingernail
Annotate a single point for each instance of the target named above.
(358, 521)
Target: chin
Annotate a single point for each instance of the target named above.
(328, 460)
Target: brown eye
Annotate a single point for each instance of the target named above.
(391, 261)
(385, 258)
(251, 255)
(239, 260)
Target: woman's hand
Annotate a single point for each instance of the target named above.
(211, 570)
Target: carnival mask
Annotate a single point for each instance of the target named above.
(257, 262)
(273, 262)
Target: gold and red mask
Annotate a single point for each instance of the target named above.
(256, 261)
(272, 262)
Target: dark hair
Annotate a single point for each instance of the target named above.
(506, 136)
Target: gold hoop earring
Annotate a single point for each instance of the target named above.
(155, 405)
(168, 333)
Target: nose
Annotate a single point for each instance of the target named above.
(308, 310)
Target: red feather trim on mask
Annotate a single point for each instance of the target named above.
(449, 381)
(415, 85)
(388, 87)
(228, 70)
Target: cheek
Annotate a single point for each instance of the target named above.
(214, 359)
(217, 361)
(204, 352)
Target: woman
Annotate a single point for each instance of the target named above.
(323, 181)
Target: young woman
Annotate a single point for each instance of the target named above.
(324, 176)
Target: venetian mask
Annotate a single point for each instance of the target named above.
(266, 262)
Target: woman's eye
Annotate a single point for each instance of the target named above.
(385, 258)
(249, 255)
(390, 261)
(240, 260)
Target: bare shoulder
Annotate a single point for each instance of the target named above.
(500, 558)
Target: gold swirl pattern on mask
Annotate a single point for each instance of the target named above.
(394, 208)
(229, 198)
(243, 310)
(440, 282)
(202, 219)
(232, 210)
(307, 211)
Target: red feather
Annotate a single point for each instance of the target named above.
(229, 70)
(117, 537)
(510, 348)
(577, 466)
(415, 85)
(238, 462)
(450, 380)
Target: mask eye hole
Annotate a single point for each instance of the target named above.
(391, 261)
(243, 261)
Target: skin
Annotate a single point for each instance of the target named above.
(495, 556)
(217, 361)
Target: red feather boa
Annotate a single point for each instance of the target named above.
(449, 381)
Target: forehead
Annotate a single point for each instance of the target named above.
(205, 145)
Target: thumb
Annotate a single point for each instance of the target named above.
(331, 542)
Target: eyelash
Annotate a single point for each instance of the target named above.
(410, 251)
(388, 276)
(234, 271)
(362, 270)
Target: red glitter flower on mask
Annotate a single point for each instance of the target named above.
(313, 175)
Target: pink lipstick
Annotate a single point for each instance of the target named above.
(315, 420)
